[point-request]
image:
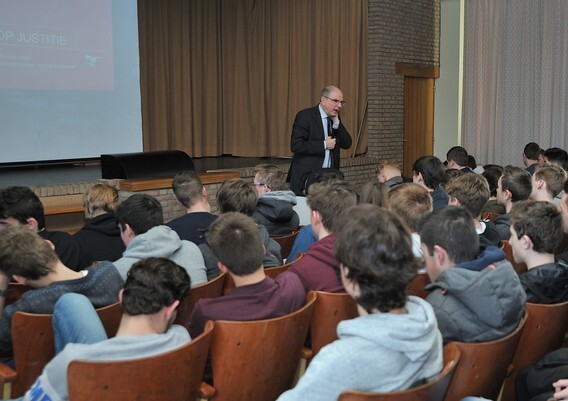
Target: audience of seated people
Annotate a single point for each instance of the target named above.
(319, 269)
(395, 342)
(428, 171)
(192, 195)
(472, 192)
(20, 206)
(141, 222)
(238, 195)
(547, 183)
(100, 238)
(411, 202)
(153, 289)
(275, 204)
(536, 231)
(514, 185)
(28, 259)
(237, 244)
(458, 159)
(389, 173)
(492, 173)
(475, 298)
(531, 154)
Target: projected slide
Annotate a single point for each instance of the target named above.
(69, 79)
(57, 44)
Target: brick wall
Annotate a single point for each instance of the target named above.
(400, 31)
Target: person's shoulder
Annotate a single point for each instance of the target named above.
(310, 111)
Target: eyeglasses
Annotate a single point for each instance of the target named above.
(336, 101)
(257, 184)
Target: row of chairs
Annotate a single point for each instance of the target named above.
(543, 331)
(478, 373)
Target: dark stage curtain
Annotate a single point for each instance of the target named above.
(227, 77)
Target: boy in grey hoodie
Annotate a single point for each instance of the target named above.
(395, 342)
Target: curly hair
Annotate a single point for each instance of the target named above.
(152, 284)
(375, 248)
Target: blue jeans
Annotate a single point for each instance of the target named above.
(76, 321)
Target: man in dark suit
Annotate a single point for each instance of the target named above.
(317, 136)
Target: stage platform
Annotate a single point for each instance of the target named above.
(37, 176)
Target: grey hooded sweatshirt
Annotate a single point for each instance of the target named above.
(378, 352)
(163, 242)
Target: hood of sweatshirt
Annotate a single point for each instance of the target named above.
(105, 224)
(413, 334)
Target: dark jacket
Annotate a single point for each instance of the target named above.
(503, 225)
(480, 300)
(439, 198)
(546, 284)
(100, 238)
(274, 210)
(307, 145)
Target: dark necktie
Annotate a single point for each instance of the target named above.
(330, 134)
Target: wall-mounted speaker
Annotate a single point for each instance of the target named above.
(159, 164)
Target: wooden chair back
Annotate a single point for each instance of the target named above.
(416, 286)
(174, 375)
(434, 390)
(15, 291)
(110, 317)
(329, 310)
(543, 333)
(489, 216)
(483, 366)
(272, 272)
(257, 360)
(519, 267)
(211, 289)
(33, 344)
(286, 242)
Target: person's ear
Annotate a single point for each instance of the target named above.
(222, 267)
(32, 224)
(440, 254)
(171, 309)
(19, 279)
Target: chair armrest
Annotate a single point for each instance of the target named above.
(206, 391)
(7, 374)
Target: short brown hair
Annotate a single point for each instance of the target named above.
(24, 253)
(272, 176)
(553, 175)
(517, 181)
(374, 192)
(540, 221)
(237, 195)
(100, 199)
(330, 198)
(187, 187)
(376, 249)
(235, 240)
(459, 155)
(410, 202)
(472, 190)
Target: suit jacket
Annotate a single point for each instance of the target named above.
(307, 144)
